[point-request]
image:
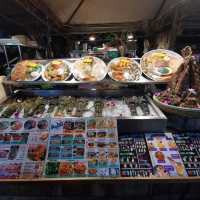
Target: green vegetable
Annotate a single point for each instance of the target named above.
(164, 70)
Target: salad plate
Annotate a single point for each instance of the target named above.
(57, 70)
(89, 68)
(160, 64)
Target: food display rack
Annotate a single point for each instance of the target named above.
(143, 80)
(105, 88)
(126, 125)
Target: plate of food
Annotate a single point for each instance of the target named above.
(27, 70)
(160, 64)
(124, 69)
(57, 70)
(89, 68)
(167, 105)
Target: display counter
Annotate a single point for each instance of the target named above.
(91, 131)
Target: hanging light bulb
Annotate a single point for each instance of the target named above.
(130, 36)
(92, 38)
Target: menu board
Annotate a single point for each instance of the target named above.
(66, 149)
(58, 147)
(102, 147)
(24, 124)
(22, 155)
(189, 148)
(23, 146)
(134, 156)
(164, 154)
(88, 147)
(79, 147)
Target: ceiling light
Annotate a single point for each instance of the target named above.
(130, 36)
(92, 38)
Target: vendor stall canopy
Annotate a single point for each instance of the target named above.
(105, 11)
(100, 15)
(78, 16)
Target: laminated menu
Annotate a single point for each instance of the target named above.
(22, 154)
(10, 170)
(80, 147)
(134, 156)
(102, 147)
(189, 148)
(24, 124)
(164, 154)
(66, 149)
(33, 165)
(13, 148)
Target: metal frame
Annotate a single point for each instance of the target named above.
(12, 43)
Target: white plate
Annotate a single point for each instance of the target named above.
(116, 60)
(68, 64)
(34, 79)
(155, 76)
(99, 70)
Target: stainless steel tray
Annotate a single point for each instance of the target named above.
(143, 124)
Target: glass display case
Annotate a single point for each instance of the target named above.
(89, 130)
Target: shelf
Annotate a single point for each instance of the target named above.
(72, 81)
(156, 121)
(11, 42)
(108, 179)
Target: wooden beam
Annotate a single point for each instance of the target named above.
(175, 28)
(75, 11)
(39, 12)
(11, 20)
(43, 7)
(159, 10)
(104, 28)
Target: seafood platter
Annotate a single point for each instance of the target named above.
(68, 106)
(182, 97)
(160, 64)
